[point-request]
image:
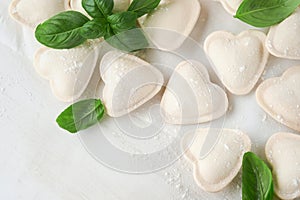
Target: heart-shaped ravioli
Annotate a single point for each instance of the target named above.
(231, 6)
(190, 97)
(238, 60)
(283, 153)
(69, 70)
(219, 167)
(173, 21)
(283, 39)
(33, 12)
(76, 5)
(280, 98)
(129, 82)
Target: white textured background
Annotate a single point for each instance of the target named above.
(40, 161)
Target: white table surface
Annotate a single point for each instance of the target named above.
(40, 161)
(37, 159)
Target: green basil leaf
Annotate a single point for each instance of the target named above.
(122, 21)
(62, 30)
(129, 41)
(94, 29)
(81, 115)
(257, 181)
(142, 7)
(123, 33)
(98, 8)
(265, 13)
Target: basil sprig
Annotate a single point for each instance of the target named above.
(265, 13)
(257, 181)
(81, 115)
(71, 28)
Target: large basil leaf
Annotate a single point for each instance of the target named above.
(264, 13)
(81, 115)
(122, 21)
(257, 181)
(62, 30)
(142, 7)
(98, 8)
(94, 29)
(129, 41)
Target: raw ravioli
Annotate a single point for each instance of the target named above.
(215, 171)
(191, 98)
(129, 82)
(283, 153)
(280, 98)
(231, 6)
(34, 12)
(69, 70)
(175, 18)
(283, 39)
(238, 60)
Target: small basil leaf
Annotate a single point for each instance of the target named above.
(94, 29)
(265, 13)
(142, 7)
(98, 8)
(62, 30)
(122, 21)
(257, 181)
(129, 41)
(81, 115)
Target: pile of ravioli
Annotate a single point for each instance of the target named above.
(190, 97)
